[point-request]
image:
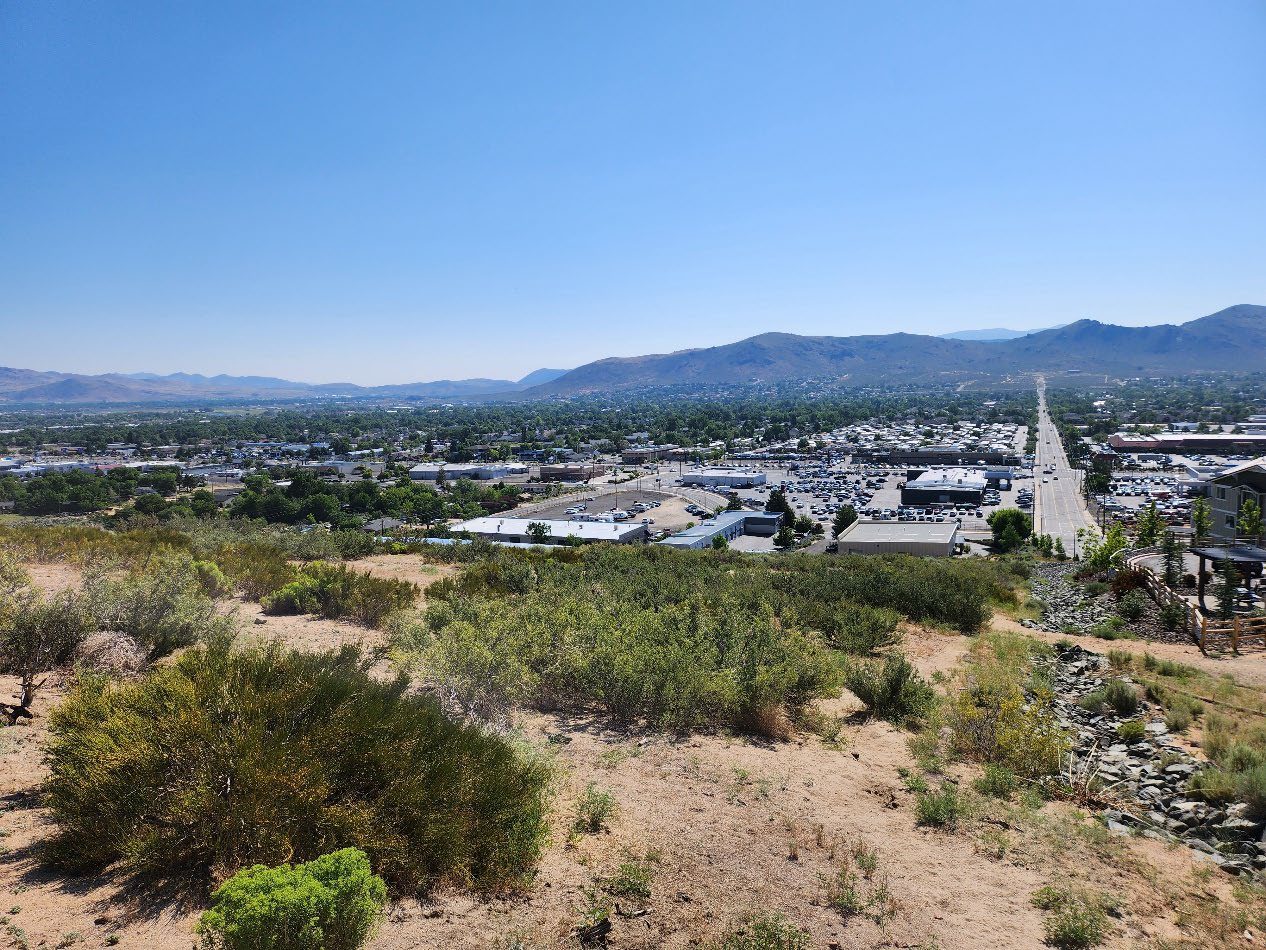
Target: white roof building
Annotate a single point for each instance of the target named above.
(515, 530)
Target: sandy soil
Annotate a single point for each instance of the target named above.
(732, 825)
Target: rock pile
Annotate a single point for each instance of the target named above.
(1149, 776)
(1065, 606)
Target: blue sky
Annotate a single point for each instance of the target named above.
(395, 192)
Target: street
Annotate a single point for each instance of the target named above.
(1058, 509)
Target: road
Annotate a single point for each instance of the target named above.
(1058, 508)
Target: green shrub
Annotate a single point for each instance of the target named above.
(229, 758)
(894, 691)
(1178, 719)
(1116, 695)
(863, 630)
(210, 578)
(594, 810)
(997, 782)
(163, 608)
(941, 808)
(1132, 730)
(332, 903)
(335, 591)
(1172, 615)
(767, 932)
(1096, 589)
(1132, 605)
(1075, 921)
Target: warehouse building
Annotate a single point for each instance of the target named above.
(483, 471)
(638, 454)
(945, 486)
(920, 538)
(724, 478)
(515, 530)
(728, 525)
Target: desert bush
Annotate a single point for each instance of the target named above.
(893, 691)
(998, 781)
(595, 808)
(863, 630)
(941, 808)
(1132, 730)
(1118, 696)
(161, 605)
(332, 903)
(335, 591)
(210, 578)
(1096, 588)
(37, 634)
(1075, 921)
(996, 724)
(766, 932)
(1179, 718)
(229, 758)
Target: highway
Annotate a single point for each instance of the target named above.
(1058, 508)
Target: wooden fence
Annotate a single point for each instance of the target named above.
(1208, 633)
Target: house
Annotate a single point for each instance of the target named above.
(1228, 491)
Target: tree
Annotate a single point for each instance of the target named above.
(785, 539)
(1059, 549)
(1228, 588)
(778, 503)
(1100, 553)
(843, 519)
(1010, 526)
(1201, 521)
(1171, 551)
(1149, 527)
(734, 504)
(719, 543)
(1249, 523)
(538, 531)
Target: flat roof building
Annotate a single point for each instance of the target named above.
(485, 471)
(920, 538)
(574, 472)
(728, 525)
(945, 486)
(724, 478)
(515, 530)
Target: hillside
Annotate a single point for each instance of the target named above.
(1230, 340)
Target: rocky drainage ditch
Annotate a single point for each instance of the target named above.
(1148, 778)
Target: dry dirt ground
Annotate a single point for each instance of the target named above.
(728, 826)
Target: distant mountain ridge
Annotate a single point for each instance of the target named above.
(1231, 340)
(995, 334)
(34, 387)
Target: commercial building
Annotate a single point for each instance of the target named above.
(937, 456)
(724, 478)
(728, 525)
(1228, 491)
(576, 472)
(920, 538)
(1187, 443)
(515, 530)
(486, 471)
(945, 486)
(637, 454)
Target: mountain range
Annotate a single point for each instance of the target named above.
(994, 334)
(1231, 340)
(33, 387)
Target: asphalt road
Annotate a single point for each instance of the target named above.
(1058, 508)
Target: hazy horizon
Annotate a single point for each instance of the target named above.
(395, 193)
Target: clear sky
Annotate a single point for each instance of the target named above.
(378, 192)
